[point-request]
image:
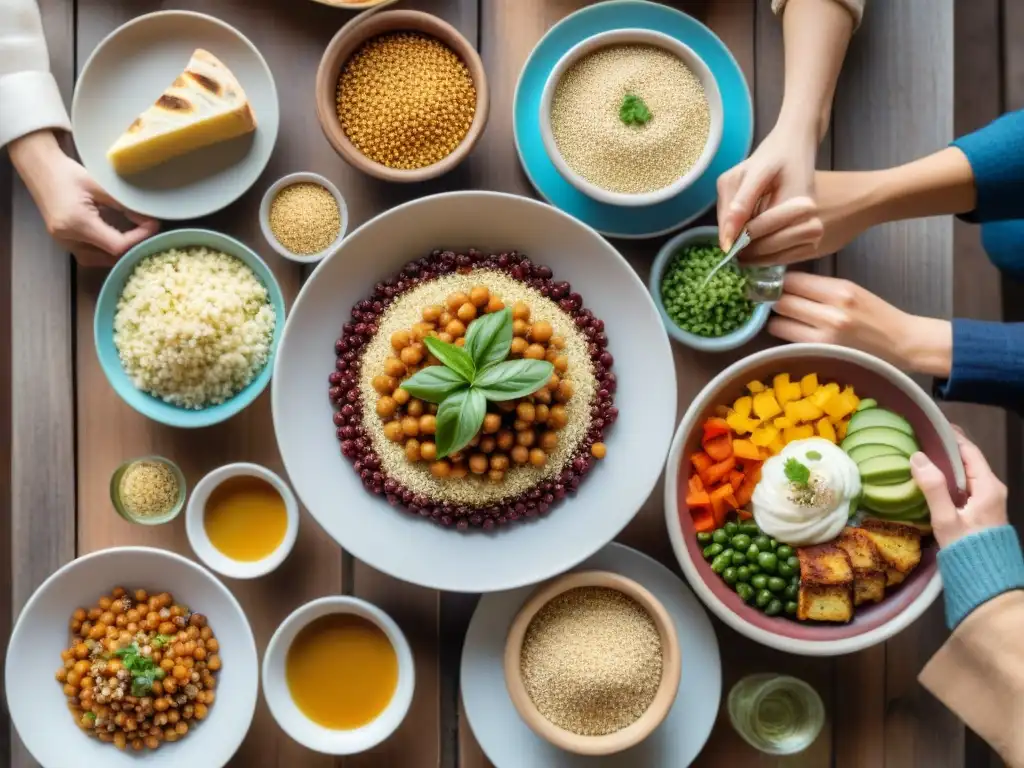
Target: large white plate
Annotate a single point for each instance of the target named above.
(129, 70)
(508, 741)
(413, 549)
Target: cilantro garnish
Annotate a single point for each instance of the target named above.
(814, 456)
(633, 110)
(161, 640)
(142, 669)
(797, 473)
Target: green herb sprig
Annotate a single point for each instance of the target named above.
(142, 669)
(470, 376)
(798, 474)
(634, 110)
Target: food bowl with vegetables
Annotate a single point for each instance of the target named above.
(132, 650)
(712, 317)
(790, 503)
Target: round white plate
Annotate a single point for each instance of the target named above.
(507, 740)
(129, 70)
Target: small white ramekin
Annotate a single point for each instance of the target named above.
(213, 557)
(287, 181)
(633, 37)
(292, 720)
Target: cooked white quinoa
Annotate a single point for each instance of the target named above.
(193, 326)
(630, 159)
(471, 490)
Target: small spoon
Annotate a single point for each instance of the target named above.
(741, 242)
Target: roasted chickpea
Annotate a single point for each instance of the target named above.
(499, 461)
(520, 454)
(477, 463)
(558, 418)
(432, 313)
(505, 439)
(445, 318)
(411, 426)
(384, 384)
(428, 424)
(492, 423)
(415, 408)
(479, 295)
(74, 678)
(538, 458)
(456, 300)
(400, 340)
(460, 342)
(446, 337)
(598, 450)
(543, 396)
(79, 615)
(456, 457)
(541, 413)
(506, 406)
(554, 381)
(421, 330)
(494, 304)
(440, 468)
(558, 342)
(561, 363)
(496, 475)
(551, 355)
(534, 352)
(549, 440)
(520, 328)
(394, 367)
(488, 444)
(428, 451)
(412, 450)
(525, 411)
(541, 332)
(467, 312)
(411, 355)
(386, 406)
(459, 471)
(520, 311)
(62, 675)
(565, 391)
(456, 329)
(133, 615)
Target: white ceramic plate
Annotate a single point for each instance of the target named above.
(413, 549)
(509, 743)
(129, 70)
(37, 703)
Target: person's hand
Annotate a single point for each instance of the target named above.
(70, 200)
(830, 310)
(986, 507)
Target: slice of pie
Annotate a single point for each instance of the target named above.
(204, 106)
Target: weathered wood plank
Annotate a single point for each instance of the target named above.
(894, 103)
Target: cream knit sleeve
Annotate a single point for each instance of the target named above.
(855, 7)
(29, 97)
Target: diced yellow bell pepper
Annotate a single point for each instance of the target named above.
(826, 430)
(808, 384)
(839, 406)
(754, 387)
(743, 406)
(764, 435)
(745, 449)
(801, 432)
(783, 421)
(823, 394)
(779, 383)
(790, 392)
(841, 429)
(776, 447)
(766, 406)
(803, 410)
(741, 424)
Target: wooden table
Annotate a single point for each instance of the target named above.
(69, 430)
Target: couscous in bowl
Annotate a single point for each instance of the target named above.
(111, 361)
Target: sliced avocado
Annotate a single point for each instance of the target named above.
(885, 470)
(901, 441)
(915, 513)
(866, 403)
(892, 500)
(878, 417)
(862, 453)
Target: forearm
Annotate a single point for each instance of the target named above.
(32, 157)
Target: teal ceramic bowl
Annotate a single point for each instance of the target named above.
(103, 328)
(755, 323)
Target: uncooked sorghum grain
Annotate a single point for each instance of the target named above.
(630, 157)
(305, 218)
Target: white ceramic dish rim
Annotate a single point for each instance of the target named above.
(287, 181)
(227, 27)
(788, 644)
(196, 530)
(291, 718)
(745, 333)
(247, 638)
(619, 37)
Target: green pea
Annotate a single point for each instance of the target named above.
(763, 542)
(740, 542)
(768, 561)
(785, 571)
(719, 564)
(753, 551)
(759, 581)
(791, 608)
(784, 552)
(754, 567)
(775, 584)
(728, 553)
(792, 591)
(731, 528)
(720, 537)
(738, 558)
(793, 562)
(774, 544)
(743, 573)
(774, 608)
(712, 550)
(764, 597)
(703, 537)
(745, 591)
(729, 576)
(750, 528)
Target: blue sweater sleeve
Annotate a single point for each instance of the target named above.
(977, 568)
(996, 155)
(988, 365)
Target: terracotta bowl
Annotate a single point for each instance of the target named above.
(347, 41)
(670, 666)
(870, 377)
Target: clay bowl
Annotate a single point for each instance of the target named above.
(670, 667)
(870, 377)
(347, 41)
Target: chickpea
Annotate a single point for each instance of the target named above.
(541, 332)
(538, 458)
(170, 736)
(120, 740)
(549, 440)
(97, 632)
(520, 454)
(386, 406)
(133, 615)
(456, 300)
(459, 471)
(201, 711)
(460, 342)
(499, 461)
(494, 304)
(173, 716)
(492, 423)
(551, 355)
(488, 444)
(179, 672)
(445, 318)
(181, 728)
(166, 664)
(104, 603)
(542, 396)
(559, 418)
(411, 355)
(525, 437)
(554, 381)
(519, 425)
(79, 615)
(455, 329)
(207, 696)
(506, 439)
(158, 687)
(432, 313)
(401, 396)
(565, 391)
(428, 451)
(598, 450)
(152, 742)
(428, 424)
(496, 475)
(520, 328)
(393, 431)
(412, 450)
(400, 340)
(62, 675)
(561, 363)
(118, 592)
(94, 614)
(421, 330)
(466, 312)
(411, 426)
(440, 468)
(541, 413)
(477, 463)
(394, 367)
(415, 408)
(456, 457)
(107, 618)
(200, 653)
(70, 691)
(558, 342)
(81, 667)
(120, 620)
(161, 705)
(74, 678)
(525, 411)
(520, 311)
(384, 384)
(206, 633)
(518, 347)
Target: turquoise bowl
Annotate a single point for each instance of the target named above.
(754, 324)
(103, 328)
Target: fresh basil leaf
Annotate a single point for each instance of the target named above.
(513, 379)
(453, 357)
(489, 338)
(434, 383)
(458, 419)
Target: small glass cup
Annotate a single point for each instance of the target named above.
(122, 508)
(764, 284)
(786, 705)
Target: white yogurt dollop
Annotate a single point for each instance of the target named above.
(801, 515)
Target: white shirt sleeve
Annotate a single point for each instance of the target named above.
(29, 97)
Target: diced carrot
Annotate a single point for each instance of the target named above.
(731, 500)
(744, 449)
(699, 499)
(701, 461)
(695, 484)
(703, 519)
(753, 473)
(719, 472)
(745, 492)
(735, 478)
(719, 448)
(714, 427)
(743, 514)
(720, 503)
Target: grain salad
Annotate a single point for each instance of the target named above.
(193, 326)
(630, 118)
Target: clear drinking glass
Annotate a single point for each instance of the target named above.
(764, 284)
(776, 714)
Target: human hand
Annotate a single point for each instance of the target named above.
(70, 200)
(830, 310)
(986, 507)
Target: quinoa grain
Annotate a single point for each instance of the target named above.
(305, 218)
